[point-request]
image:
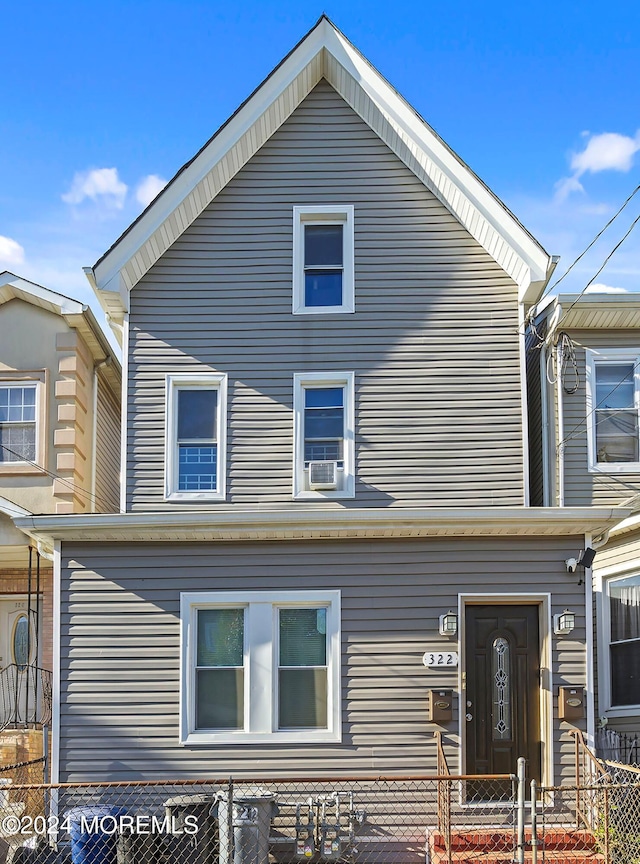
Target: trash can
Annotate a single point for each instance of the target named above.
(94, 833)
(244, 833)
(193, 827)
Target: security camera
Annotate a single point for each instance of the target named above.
(571, 564)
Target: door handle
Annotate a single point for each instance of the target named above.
(469, 717)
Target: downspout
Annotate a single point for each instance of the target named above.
(560, 445)
(544, 410)
(523, 405)
(588, 648)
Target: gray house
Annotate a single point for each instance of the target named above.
(584, 363)
(325, 465)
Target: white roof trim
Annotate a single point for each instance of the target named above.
(14, 287)
(12, 510)
(302, 524)
(324, 52)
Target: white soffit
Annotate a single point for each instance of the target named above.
(12, 287)
(323, 53)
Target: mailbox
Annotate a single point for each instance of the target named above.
(440, 706)
(571, 703)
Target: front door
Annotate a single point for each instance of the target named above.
(502, 669)
(19, 689)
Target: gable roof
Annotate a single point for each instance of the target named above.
(323, 53)
(77, 315)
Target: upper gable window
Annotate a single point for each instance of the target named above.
(613, 402)
(195, 444)
(323, 259)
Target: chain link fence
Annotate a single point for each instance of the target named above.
(374, 820)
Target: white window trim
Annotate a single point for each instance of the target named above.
(324, 379)
(209, 381)
(261, 666)
(603, 579)
(10, 378)
(592, 358)
(323, 214)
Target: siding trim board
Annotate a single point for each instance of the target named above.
(323, 53)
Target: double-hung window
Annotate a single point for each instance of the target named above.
(623, 603)
(324, 435)
(260, 666)
(613, 379)
(323, 271)
(196, 435)
(22, 422)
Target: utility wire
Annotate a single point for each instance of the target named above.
(74, 486)
(550, 288)
(603, 265)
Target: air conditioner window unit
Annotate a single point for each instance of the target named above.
(323, 475)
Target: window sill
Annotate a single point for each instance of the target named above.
(20, 468)
(626, 711)
(615, 468)
(326, 495)
(324, 310)
(186, 497)
(322, 736)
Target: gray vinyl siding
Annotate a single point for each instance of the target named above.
(534, 415)
(107, 452)
(583, 488)
(120, 641)
(433, 342)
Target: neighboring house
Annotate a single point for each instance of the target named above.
(324, 454)
(585, 446)
(59, 443)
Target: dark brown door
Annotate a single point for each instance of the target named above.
(502, 669)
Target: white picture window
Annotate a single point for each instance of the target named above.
(613, 380)
(324, 435)
(623, 613)
(260, 667)
(323, 270)
(196, 437)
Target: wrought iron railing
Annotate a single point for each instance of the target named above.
(25, 696)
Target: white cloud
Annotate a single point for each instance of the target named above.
(98, 184)
(606, 152)
(565, 187)
(11, 252)
(601, 288)
(148, 188)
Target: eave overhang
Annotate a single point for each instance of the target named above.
(307, 524)
(323, 53)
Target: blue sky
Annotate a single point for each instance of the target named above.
(100, 103)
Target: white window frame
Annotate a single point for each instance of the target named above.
(593, 358)
(261, 630)
(323, 214)
(175, 383)
(346, 475)
(603, 580)
(38, 379)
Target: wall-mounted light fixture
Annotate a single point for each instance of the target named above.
(564, 623)
(449, 624)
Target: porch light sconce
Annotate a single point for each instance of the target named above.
(564, 623)
(449, 624)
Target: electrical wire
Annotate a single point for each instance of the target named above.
(83, 492)
(602, 266)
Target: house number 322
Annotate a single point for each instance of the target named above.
(440, 658)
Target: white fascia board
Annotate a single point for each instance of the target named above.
(12, 286)
(107, 270)
(236, 524)
(462, 177)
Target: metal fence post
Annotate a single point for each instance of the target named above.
(230, 823)
(520, 804)
(534, 823)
